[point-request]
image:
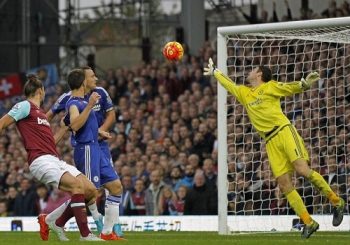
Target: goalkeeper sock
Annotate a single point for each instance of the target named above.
(318, 181)
(298, 206)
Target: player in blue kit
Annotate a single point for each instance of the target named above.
(105, 115)
(88, 156)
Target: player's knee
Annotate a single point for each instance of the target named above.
(301, 167)
(284, 183)
(115, 188)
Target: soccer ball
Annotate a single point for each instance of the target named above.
(173, 51)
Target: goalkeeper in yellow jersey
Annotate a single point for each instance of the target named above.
(285, 148)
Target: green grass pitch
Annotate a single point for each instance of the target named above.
(187, 238)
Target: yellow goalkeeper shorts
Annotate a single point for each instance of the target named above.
(284, 148)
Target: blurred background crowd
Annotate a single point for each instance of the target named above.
(164, 143)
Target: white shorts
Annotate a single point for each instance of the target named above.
(49, 169)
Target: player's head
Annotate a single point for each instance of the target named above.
(34, 87)
(266, 74)
(76, 78)
(90, 78)
(258, 75)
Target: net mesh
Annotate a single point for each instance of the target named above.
(321, 116)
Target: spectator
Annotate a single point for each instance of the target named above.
(187, 180)
(3, 175)
(11, 197)
(3, 208)
(42, 198)
(25, 199)
(127, 189)
(180, 202)
(202, 199)
(174, 178)
(194, 161)
(153, 193)
(167, 202)
(209, 172)
(137, 200)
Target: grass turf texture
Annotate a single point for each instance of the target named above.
(187, 238)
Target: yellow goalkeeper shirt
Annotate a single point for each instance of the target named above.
(263, 102)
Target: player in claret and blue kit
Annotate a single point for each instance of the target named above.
(44, 162)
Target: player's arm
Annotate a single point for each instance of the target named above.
(108, 107)
(223, 79)
(6, 121)
(18, 112)
(104, 134)
(58, 106)
(109, 121)
(50, 115)
(61, 132)
(78, 119)
(281, 89)
(286, 89)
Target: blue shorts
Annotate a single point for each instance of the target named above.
(92, 162)
(105, 150)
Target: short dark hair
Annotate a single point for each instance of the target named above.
(84, 68)
(32, 84)
(266, 73)
(76, 78)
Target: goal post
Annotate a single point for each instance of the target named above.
(291, 50)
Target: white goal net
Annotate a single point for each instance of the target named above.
(249, 199)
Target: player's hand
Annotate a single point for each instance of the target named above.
(309, 80)
(62, 123)
(104, 134)
(209, 71)
(94, 97)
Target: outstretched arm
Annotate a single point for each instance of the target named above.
(281, 89)
(19, 111)
(224, 80)
(6, 121)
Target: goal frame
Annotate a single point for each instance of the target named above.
(222, 32)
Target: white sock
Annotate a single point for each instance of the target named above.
(111, 213)
(117, 219)
(94, 211)
(118, 202)
(57, 212)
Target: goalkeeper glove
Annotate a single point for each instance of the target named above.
(309, 80)
(209, 71)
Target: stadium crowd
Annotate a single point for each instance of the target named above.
(164, 143)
